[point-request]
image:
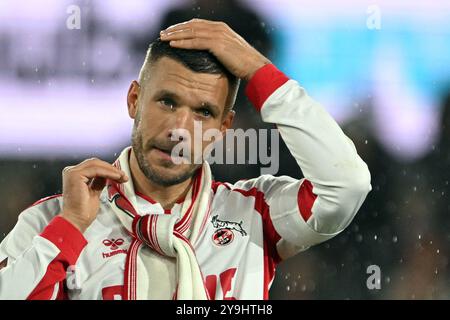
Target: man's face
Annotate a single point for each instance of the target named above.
(171, 99)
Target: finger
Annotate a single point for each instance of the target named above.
(188, 34)
(186, 24)
(196, 22)
(194, 27)
(178, 34)
(197, 43)
(94, 162)
(100, 172)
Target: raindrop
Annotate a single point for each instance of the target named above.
(394, 239)
(415, 188)
(375, 237)
(437, 251)
(366, 142)
(34, 166)
(288, 288)
(359, 238)
(420, 236)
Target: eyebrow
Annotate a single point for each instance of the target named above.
(164, 93)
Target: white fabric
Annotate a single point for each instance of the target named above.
(158, 276)
(266, 205)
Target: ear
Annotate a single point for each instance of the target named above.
(227, 122)
(132, 98)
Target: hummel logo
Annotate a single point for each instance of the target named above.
(113, 243)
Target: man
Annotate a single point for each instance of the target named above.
(153, 227)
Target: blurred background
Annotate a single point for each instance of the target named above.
(381, 68)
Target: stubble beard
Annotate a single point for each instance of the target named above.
(148, 169)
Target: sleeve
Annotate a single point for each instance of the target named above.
(308, 211)
(36, 254)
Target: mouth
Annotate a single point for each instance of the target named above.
(166, 154)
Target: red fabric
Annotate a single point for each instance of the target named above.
(110, 293)
(226, 279)
(70, 242)
(306, 199)
(143, 196)
(263, 83)
(211, 286)
(66, 237)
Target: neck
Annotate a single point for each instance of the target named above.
(166, 196)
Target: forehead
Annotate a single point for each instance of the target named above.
(171, 75)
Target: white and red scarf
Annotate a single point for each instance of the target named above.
(161, 261)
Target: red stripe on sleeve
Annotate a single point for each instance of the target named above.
(306, 199)
(70, 242)
(66, 237)
(263, 83)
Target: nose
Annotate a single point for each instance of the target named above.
(182, 125)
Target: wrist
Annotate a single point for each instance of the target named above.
(258, 65)
(76, 222)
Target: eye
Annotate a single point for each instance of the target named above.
(204, 112)
(166, 102)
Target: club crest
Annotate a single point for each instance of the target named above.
(224, 234)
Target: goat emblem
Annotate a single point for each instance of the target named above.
(222, 224)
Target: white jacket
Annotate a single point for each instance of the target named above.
(253, 224)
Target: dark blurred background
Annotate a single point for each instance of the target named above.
(383, 72)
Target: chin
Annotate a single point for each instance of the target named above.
(175, 173)
(163, 171)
